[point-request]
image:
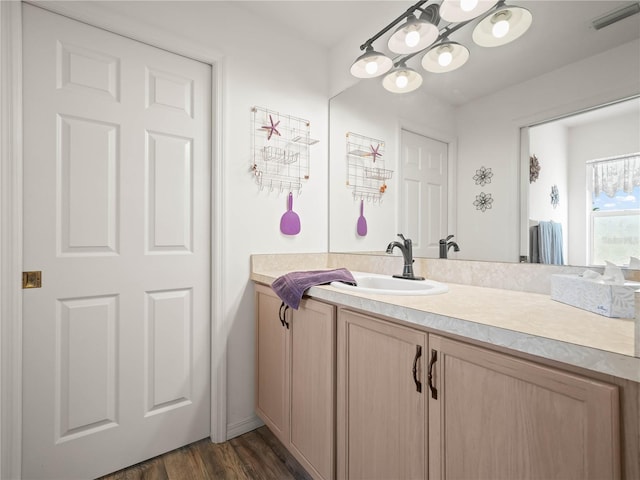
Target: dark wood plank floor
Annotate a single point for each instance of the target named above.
(257, 455)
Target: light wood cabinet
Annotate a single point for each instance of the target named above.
(295, 378)
(360, 397)
(499, 417)
(381, 403)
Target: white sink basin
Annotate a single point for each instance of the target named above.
(388, 285)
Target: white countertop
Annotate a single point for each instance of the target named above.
(526, 322)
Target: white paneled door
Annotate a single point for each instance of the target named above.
(117, 218)
(423, 205)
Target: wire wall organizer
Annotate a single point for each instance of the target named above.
(366, 172)
(279, 150)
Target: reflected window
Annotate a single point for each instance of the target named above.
(615, 209)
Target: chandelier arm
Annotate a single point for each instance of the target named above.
(407, 13)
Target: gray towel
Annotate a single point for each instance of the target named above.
(550, 243)
(534, 254)
(291, 286)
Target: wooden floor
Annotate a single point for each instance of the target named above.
(256, 455)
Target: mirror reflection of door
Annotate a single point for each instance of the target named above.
(596, 226)
(423, 202)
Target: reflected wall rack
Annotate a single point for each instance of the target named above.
(366, 172)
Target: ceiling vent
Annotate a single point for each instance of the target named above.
(616, 15)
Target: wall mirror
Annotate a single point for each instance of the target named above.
(483, 114)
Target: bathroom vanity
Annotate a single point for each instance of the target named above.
(371, 386)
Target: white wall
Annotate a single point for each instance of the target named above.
(591, 141)
(488, 135)
(266, 67)
(549, 143)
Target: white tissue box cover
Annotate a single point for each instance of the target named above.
(605, 299)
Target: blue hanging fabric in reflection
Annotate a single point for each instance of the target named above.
(550, 243)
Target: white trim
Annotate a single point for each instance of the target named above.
(11, 210)
(243, 426)
(218, 325)
(11, 239)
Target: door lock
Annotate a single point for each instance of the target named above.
(32, 279)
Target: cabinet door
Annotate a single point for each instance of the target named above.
(381, 418)
(272, 358)
(499, 417)
(312, 367)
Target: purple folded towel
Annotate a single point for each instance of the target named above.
(291, 286)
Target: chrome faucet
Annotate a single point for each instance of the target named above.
(407, 252)
(446, 244)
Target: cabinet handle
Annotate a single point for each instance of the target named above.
(415, 368)
(280, 315)
(434, 359)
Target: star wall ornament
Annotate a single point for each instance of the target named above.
(555, 196)
(272, 128)
(534, 168)
(375, 152)
(483, 176)
(483, 201)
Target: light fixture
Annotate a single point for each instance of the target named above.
(463, 10)
(445, 57)
(371, 64)
(615, 16)
(402, 79)
(502, 26)
(417, 33)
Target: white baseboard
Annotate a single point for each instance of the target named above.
(243, 426)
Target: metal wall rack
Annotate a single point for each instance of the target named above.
(366, 172)
(279, 150)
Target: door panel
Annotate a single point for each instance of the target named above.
(88, 186)
(423, 209)
(381, 420)
(117, 216)
(523, 420)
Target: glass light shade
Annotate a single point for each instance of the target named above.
(371, 64)
(402, 80)
(404, 38)
(519, 22)
(458, 10)
(431, 59)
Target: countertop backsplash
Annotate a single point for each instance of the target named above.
(525, 277)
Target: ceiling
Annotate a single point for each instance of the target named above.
(561, 33)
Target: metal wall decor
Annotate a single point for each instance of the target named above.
(279, 150)
(534, 168)
(483, 176)
(555, 196)
(483, 202)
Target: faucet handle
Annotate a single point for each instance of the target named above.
(449, 238)
(401, 236)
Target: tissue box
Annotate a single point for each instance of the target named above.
(601, 298)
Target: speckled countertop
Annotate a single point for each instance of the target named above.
(523, 321)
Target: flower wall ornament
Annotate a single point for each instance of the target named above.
(555, 196)
(534, 168)
(483, 176)
(483, 201)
